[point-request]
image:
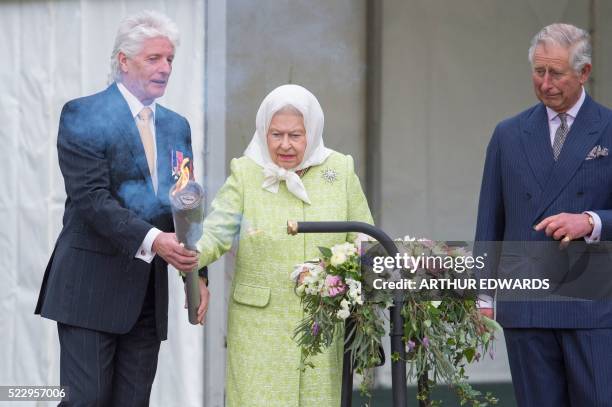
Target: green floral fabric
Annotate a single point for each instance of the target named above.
(262, 358)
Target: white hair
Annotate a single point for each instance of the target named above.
(134, 30)
(570, 37)
(290, 110)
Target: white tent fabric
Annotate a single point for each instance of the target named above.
(54, 52)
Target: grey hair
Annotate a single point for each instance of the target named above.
(570, 37)
(134, 30)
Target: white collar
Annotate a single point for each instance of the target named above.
(572, 112)
(135, 105)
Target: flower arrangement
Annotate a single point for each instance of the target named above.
(330, 289)
(444, 335)
(443, 330)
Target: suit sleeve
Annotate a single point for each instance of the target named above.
(86, 171)
(223, 222)
(606, 224)
(358, 209)
(491, 221)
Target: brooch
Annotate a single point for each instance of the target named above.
(329, 175)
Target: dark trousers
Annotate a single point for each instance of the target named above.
(561, 367)
(102, 369)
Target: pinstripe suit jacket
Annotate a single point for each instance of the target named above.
(93, 279)
(521, 185)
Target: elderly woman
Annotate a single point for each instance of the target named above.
(286, 173)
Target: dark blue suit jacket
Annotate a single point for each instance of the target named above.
(522, 184)
(93, 279)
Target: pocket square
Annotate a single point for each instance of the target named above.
(596, 152)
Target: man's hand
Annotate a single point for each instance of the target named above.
(566, 226)
(204, 297)
(168, 247)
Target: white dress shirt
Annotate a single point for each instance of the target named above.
(553, 124)
(145, 251)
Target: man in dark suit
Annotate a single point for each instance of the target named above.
(548, 178)
(106, 284)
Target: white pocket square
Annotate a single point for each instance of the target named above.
(596, 152)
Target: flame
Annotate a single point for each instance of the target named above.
(184, 177)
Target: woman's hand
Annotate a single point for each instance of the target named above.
(204, 297)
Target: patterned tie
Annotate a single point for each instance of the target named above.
(147, 138)
(560, 135)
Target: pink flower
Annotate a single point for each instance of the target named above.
(425, 342)
(334, 285)
(315, 329)
(359, 240)
(427, 243)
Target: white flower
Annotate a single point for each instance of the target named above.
(343, 313)
(345, 248)
(297, 270)
(435, 304)
(354, 291)
(338, 249)
(353, 284)
(351, 249)
(338, 258)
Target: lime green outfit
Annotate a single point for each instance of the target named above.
(262, 358)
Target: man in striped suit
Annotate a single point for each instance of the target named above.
(548, 178)
(106, 284)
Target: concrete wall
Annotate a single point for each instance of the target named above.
(450, 72)
(317, 44)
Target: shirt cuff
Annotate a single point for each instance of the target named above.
(596, 233)
(484, 301)
(145, 251)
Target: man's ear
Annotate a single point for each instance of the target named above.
(585, 73)
(122, 58)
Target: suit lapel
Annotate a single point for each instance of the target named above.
(535, 140)
(124, 124)
(583, 135)
(164, 139)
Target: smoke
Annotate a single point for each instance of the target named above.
(97, 129)
(137, 196)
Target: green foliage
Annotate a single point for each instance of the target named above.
(442, 337)
(447, 334)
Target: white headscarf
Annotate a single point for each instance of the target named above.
(316, 153)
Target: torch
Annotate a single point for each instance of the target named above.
(187, 203)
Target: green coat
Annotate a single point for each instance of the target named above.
(262, 358)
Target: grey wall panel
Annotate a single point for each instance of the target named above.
(317, 44)
(450, 72)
